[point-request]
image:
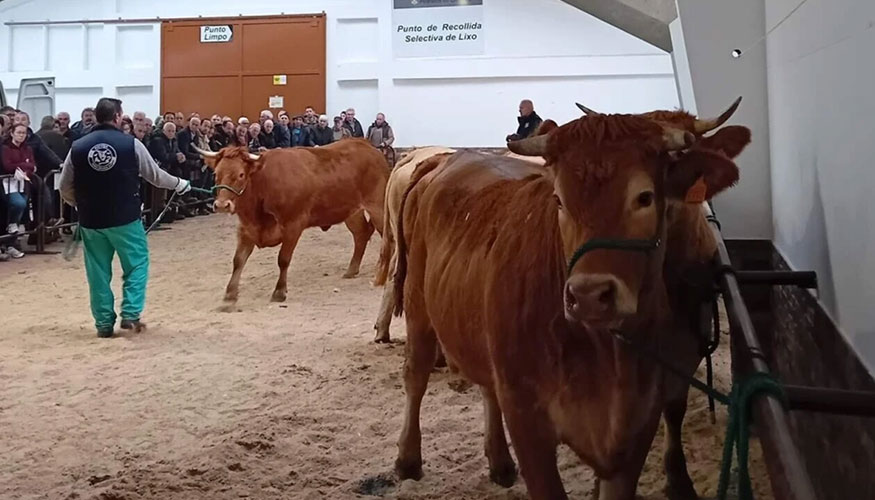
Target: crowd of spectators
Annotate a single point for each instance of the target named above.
(171, 139)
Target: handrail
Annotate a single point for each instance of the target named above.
(787, 473)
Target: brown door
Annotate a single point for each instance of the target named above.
(238, 77)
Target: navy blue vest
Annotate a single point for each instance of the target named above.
(106, 178)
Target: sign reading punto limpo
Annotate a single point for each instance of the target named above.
(437, 28)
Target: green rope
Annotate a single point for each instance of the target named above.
(738, 429)
(612, 244)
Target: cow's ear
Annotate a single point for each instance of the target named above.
(730, 140)
(546, 127)
(698, 175)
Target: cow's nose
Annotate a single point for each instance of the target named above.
(592, 298)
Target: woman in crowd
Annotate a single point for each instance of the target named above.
(18, 160)
(128, 126)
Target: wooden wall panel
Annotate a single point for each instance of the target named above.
(237, 77)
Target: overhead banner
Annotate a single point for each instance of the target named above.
(437, 28)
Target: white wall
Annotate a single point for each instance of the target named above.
(706, 32)
(539, 49)
(821, 84)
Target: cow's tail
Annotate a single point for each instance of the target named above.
(401, 247)
(384, 264)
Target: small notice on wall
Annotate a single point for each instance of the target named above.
(280, 79)
(437, 28)
(216, 34)
(275, 101)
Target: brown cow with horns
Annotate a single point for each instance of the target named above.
(278, 194)
(483, 268)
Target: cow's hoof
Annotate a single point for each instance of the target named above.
(350, 274)
(684, 491)
(382, 338)
(278, 296)
(504, 475)
(408, 470)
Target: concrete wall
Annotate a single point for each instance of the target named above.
(821, 81)
(708, 31)
(540, 49)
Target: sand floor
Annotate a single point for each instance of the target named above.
(272, 401)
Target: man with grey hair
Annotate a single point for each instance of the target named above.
(352, 124)
(529, 121)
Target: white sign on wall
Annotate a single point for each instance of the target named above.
(216, 34)
(437, 28)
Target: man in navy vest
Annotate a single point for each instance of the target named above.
(101, 178)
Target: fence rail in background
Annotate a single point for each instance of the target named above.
(35, 198)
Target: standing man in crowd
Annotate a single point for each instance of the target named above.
(101, 177)
(529, 121)
(380, 133)
(84, 125)
(64, 127)
(353, 125)
(322, 133)
(281, 134)
(311, 119)
(300, 133)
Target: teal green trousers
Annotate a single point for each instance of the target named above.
(100, 246)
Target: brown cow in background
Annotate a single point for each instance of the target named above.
(483, 246)
(283, 191)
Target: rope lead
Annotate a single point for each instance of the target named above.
(738, 429)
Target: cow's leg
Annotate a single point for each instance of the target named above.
(291, 235)
(361, 231)
(244, 250)
(502, 470)
(535, 445)
(678, 484)
(384, 318)
(419, 360)
(623, 484)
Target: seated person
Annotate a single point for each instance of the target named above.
(529, 121)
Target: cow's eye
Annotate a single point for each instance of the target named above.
(240, 175)
(645, 199)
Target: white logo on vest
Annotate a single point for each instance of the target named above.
(102, 157)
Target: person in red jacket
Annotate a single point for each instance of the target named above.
(18, 160)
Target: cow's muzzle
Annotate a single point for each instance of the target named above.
(224, 206)
(598, 300)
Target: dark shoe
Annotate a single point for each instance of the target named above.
(133, 324)
(105, 334)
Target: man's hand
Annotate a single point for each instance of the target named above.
(183, 187)
(21, 176)
(180, 157)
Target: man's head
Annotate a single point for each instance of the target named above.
(338, 122)
(194, 124)
(350, 115)
(169, 116)
(298, 121)
(526, 107)
(5, 125)
(22, 117)
(217, 120)
(323, 121)
(243, 121)
(254, 130)
(381, 118)
(47, 123)
(8, 112)
(169, 130)
(309, 111)
(228, 125)
(265, 115)
(148, 123)
(139, 117)
(613, 177)
(109, 111)
(88, 117)
(179, 120)
(64, 121)
(284, 118)
(268, 126)
(140, 130)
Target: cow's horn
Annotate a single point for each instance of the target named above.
(253, 157)
(708, 125)
(530, 146)
(205, 154)
(676, 139)
(586, 111)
